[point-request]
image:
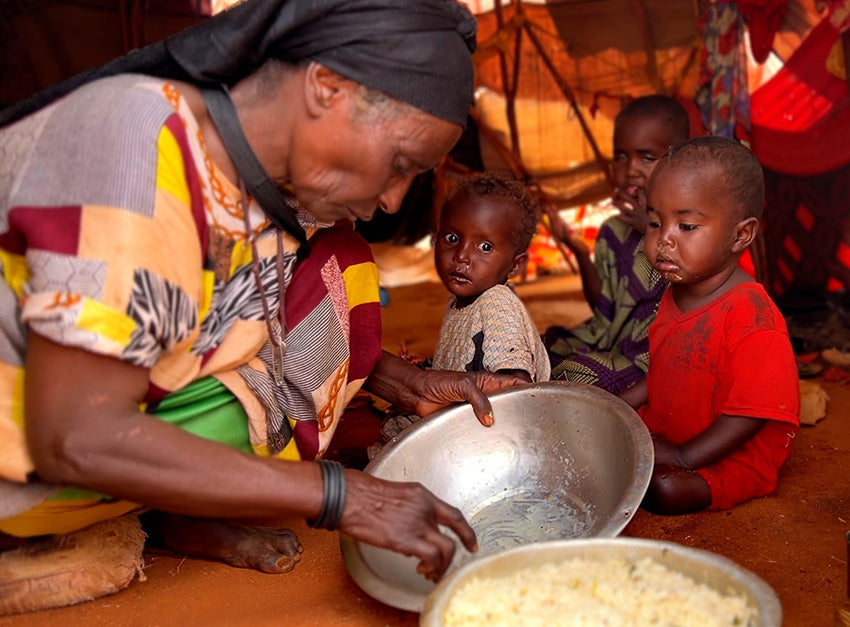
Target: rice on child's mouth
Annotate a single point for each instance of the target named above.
(587, 592)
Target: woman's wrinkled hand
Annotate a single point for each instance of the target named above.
(438, 389)
(422, 392)
(404, 518)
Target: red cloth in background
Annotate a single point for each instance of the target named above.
(800, 119)
(763, 18)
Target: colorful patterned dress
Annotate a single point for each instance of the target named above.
(611, 350)
(119, 236)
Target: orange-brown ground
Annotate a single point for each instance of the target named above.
(793, 539)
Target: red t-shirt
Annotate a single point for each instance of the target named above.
(731, 356)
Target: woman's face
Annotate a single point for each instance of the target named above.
(351, 163)
(474, 248)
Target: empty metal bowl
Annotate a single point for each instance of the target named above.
(562, 460)
(711, 569)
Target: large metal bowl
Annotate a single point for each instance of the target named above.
(714, 570)
(562, 460)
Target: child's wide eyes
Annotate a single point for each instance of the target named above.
(485, 247)
(451, 238)
(653, 224)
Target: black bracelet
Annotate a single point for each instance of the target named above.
(333, 500)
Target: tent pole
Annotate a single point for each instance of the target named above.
(509, 86)
(639, 9)
(568, 94)
(519, 171)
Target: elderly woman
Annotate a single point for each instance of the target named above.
(187, 298)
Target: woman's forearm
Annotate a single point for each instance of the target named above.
(84, 428)
(145, 460)
(391, 380)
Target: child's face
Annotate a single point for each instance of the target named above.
(474, 247)
(692, 234)
(639, 142)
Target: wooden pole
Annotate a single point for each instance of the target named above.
(639, 9)
(507, 84)
(601, 161)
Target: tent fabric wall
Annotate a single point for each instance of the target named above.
(800, 119)
(807, 232)
(800, 131)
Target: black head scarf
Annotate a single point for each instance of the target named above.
(416, 51)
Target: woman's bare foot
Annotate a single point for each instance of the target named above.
(269, 549)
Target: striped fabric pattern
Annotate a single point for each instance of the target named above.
(611, 350)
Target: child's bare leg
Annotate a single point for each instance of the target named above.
(676, 491)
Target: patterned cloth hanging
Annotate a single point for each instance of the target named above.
(722, 95)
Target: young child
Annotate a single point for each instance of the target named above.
(723, 398)
(484, 230)
(611, 350)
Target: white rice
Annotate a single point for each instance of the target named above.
(581, 592)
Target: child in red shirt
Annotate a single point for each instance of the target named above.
(722, 394)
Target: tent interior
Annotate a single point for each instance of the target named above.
(550, 78)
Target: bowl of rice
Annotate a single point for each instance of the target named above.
(562, 460)
(602, 581)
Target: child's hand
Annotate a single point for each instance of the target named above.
(563, 233)
(631, 201)
(666, 453)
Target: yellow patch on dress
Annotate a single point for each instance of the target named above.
(170, 169)
(361, 284)
(15, 461)
(208, 284)
(15, 271)
(106, 322)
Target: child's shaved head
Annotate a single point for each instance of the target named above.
(668, 109)
(739, 170)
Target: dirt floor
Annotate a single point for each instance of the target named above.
(793, 539)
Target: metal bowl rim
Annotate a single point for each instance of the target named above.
(770, 609)
(627, 505)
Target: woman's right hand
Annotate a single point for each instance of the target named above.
(404, 517)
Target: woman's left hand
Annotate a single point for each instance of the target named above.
(425, 391)
(438, 389)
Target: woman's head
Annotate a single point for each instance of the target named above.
(704, 203)
(343, 150)
(381, 92)
(485, 228)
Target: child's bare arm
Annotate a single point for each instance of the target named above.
(725, 434)
(635, 395)
(519, 374)
(591, 284)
